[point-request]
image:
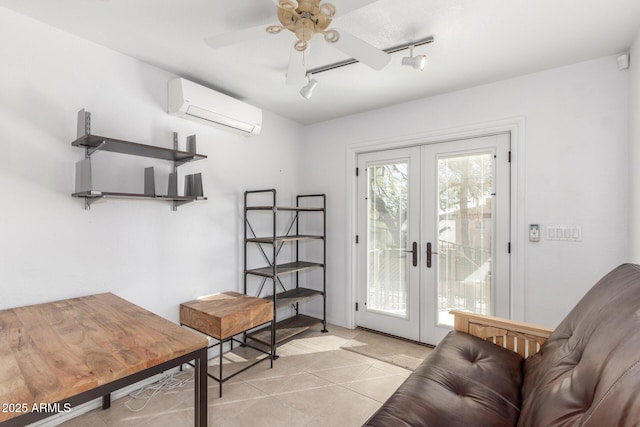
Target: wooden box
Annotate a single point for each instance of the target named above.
(224, 315)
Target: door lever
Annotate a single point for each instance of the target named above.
(429, 253)
(414, 251)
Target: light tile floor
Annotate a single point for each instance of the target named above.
(313, 383)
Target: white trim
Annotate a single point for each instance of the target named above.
(516, 127)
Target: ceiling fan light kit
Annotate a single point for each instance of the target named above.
(274, 29)
(305, 19)
(331, 36)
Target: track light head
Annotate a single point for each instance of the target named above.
(416, 62)
(307, 91)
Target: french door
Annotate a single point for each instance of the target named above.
(388, 225)
(433, 235)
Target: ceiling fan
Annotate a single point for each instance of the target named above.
(306, 19)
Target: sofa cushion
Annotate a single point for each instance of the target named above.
(465, 381)
(588, 372)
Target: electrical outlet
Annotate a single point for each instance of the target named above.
(534, 232)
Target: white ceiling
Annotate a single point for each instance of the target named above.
(476, 41)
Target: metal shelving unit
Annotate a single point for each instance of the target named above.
(270, 247)
(93, 143)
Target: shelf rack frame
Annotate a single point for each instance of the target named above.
(273, 244)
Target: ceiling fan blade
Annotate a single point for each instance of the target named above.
(233, 37)
(297, 71)
(361, 50)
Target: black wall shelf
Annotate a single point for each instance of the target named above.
(93, 143)
(135, 149)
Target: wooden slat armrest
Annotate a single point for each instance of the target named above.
(523, 338)
(462, 319)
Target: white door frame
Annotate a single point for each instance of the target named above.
(516, 127)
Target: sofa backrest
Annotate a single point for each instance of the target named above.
(588, 372)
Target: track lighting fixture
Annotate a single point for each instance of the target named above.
(307, 91)
(417, 62)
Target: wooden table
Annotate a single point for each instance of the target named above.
(57, 355)
(221, 316)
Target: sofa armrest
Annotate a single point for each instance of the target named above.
(523, 338)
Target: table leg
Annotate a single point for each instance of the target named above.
(220, 376)
(106, 401)
(200, 389)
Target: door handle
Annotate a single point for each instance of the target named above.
(414, 251)
(429, 253)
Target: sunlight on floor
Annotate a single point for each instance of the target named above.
(313, 373)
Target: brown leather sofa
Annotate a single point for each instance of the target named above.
(494, 372)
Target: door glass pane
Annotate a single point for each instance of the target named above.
(465, 218)
(387, 261)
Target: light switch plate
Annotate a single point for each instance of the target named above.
(567, 233)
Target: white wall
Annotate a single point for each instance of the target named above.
(634, 152)
(50, 247)
(574, 162)
(573, 158)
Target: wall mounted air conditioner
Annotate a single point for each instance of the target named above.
(194, 102)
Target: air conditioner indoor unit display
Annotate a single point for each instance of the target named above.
(201, 104)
